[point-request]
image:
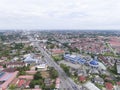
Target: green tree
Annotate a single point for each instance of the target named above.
(12, 87)
(37, 76)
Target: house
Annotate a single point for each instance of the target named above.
(1, 68)
(31, 72)
(104, 72)
(27, 77)
(90, 86)
(6, 79)
(93, 71)
(108, 86)
(82, 79)
(81, 72)
(118, 66)
(9, 70)
(47, 81)
(41, 67)
(94, 63)
(72, 71)
(118, 85)
(98, 80)
(23, 83)
(15, 64)
(30, 60)
(15, 81)
(57, 52)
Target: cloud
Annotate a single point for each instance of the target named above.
(60, 14)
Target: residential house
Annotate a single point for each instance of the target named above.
(15, 64)
(98, 80)
(6, 78)
(109, 86)
(57, 52)
(118, 66)
(82, 79)
(47, 81)
(41, 67)
(118, 85)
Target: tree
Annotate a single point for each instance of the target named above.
(12, 87)
(4, 66)
(37, 76)
(65, 68)
(53, 73)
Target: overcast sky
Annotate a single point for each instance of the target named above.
(59, 14)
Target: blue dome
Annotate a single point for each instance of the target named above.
(93, 62)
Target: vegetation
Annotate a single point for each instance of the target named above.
(38, 80)
(12, 87)
(23, 69)
(113, 70)
(65, 68)
(99, 86)
(53, 73)
(57, 58)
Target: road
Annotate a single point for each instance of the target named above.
(66, 82)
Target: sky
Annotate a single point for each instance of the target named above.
(60, 14)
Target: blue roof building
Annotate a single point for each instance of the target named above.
(93, 63)
(30, 60)
(74, 59)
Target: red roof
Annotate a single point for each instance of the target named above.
(57, 81)
(82, 78)
(57, 51)
(21, 82)
(27, 77)
(118, 83)
(109, 86)
(27, 84)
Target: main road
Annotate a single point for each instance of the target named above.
(66, 82)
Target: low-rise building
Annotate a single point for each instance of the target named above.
(98, 80)
(90, 86)
(74, 59)
(47, 81)
(57, 52)
(41, 67)
(15, 64)
(109, 86)
(6, 79)
(82, 79)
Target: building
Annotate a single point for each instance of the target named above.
(82, 79)
(30, 60)
(15, 64)
(118, 85)
(57, 83)
(118, 66)
(57, 52)
(6, 79)
(47, 81)
(26, 77)
(74, 59)
(94, 63)
(1, 68)
(108, 86)
(93, 71)
(90, 86)
(41, 67)
(98, 80)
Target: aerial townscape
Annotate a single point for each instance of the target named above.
(59, 60)
(59, 44)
